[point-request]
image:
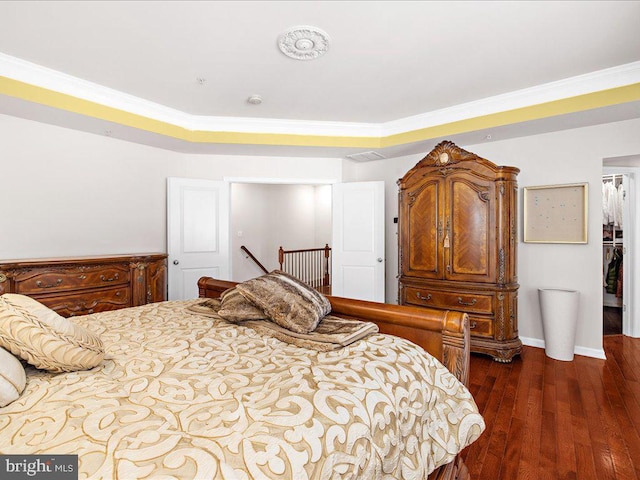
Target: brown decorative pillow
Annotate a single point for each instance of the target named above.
(286, 300)
(41, 337)
(236, 308)
(208, 308)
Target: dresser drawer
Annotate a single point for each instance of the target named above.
(87, 302)
(481, 327)
(64, 279)
(466, 302)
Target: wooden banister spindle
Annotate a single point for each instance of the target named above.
(326, 278)
(312, 266)
(281, 257)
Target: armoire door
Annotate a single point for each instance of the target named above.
(422, 225)
(470, 229)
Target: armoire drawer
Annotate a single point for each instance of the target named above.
(64, 279)
(87, 302)
(481, 327)
(467, 302)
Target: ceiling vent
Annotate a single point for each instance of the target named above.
(365, 156)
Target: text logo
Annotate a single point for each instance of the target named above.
(39, 467)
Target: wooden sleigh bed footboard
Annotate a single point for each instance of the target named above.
(444, 334)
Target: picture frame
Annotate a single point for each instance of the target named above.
(556, 213)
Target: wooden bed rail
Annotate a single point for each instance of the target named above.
(444, 334)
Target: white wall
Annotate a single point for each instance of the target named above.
(70, 193)
(569, 156)
(324, 225)
(269, 216)
(248, 224)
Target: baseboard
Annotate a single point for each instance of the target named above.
(578, 350)
(590, 352)
(532, 342)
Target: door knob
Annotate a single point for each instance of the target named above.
(176, 262)
(379, 259)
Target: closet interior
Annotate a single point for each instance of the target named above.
(613, 252)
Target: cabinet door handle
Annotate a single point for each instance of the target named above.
(422, 297)
(467, 304)
(473, 325)
(447, 231)
(49, 285)
(105, 279)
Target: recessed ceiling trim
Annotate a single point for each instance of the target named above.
(30, 82)
(574, 87)
(55, 81)
(614, 96)
(36, 75)
(61, 101)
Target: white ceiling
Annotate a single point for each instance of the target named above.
(386, 61)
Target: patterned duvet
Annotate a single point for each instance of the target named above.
(191, 397)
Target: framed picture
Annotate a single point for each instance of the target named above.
(556, 213)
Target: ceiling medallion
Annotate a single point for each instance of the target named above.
(304, 42)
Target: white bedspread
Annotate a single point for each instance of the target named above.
(192, 397)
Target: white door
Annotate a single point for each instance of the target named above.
(198, 234)
(358, 241)
(630, 323)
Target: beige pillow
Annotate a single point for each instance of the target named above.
(43, 338)
(235, 307)
(287, 301)
(12, 378)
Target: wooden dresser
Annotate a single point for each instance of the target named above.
(457, 238)
(82, 285)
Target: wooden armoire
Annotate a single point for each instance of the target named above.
(457, 237)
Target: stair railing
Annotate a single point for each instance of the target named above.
(311, 265)
(252, 257)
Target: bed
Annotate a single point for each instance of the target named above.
(184, 395)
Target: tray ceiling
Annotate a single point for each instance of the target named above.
(395, 74)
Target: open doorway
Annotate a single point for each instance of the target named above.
(614, 206)
(620, 246)
(266, 216)
(356, 232)
(349, 217)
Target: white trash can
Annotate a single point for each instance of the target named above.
(559, 309)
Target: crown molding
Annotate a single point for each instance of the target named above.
(602, 80)
(52, 80)
(32, 74)
(35, 83)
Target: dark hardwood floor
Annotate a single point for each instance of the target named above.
(548, 419)
(612, 320)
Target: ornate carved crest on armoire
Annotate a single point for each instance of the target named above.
(457, 244)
